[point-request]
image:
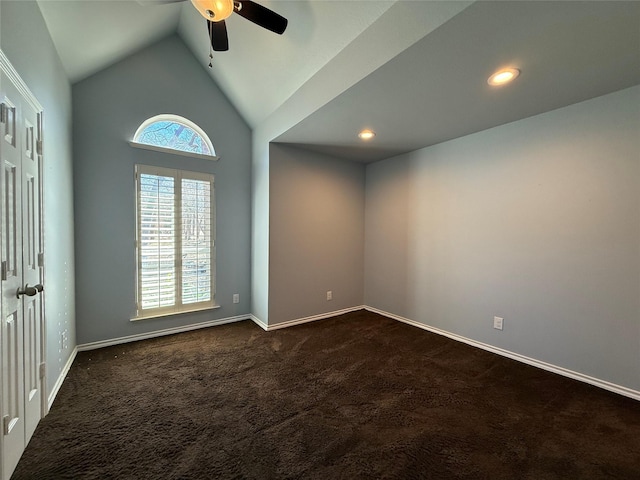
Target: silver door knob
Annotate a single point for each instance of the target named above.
(29, 291)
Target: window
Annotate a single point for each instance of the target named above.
(171, 133)
(175, 233)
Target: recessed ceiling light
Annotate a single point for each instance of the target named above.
(502, 77)
(367, 134)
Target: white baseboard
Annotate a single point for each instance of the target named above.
(259, 322)
(612, 387)
(299, 321)
(133, 338)
(160, 333)
(61, 377)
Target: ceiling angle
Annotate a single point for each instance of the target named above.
(216, 11)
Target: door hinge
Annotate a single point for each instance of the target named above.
(39, 147)
(41, 259)
(3, 272)
(43, 370)
(6, 421)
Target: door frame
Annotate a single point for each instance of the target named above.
(11, 73)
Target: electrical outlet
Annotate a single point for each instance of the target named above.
(329, 295)
(497, 323)
(236, 298)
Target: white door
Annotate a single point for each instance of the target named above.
(21, 275)
(31, 271)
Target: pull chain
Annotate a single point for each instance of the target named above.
(210, 45)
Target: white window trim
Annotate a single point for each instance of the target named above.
(169, 117)
(151, 316)
(172, 151)
(150, 313)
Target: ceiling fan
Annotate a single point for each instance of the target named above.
(216, 11)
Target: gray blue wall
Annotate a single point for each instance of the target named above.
(316, 233)
(108, 108)
(368, 51)
(260, 228)
(537, 221)
(25, 40)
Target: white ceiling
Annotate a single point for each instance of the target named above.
(433, 91)
(259, 72)
(90, 35)
(261, 69)
(436, 90)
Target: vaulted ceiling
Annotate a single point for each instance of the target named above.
(259, 72)
(433, 90)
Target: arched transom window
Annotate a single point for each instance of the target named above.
(172, 132)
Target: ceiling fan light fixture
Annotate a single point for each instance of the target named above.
(366, 134)
(504, 76)
(214, 10)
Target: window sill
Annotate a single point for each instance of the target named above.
(172, 151)
(151, 316)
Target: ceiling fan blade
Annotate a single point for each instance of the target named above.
(262, 16)
(218, 35)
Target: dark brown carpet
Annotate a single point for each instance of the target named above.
(356, 396)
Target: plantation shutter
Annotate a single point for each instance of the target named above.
(175, 232)
(157, 240)
(196, 241)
